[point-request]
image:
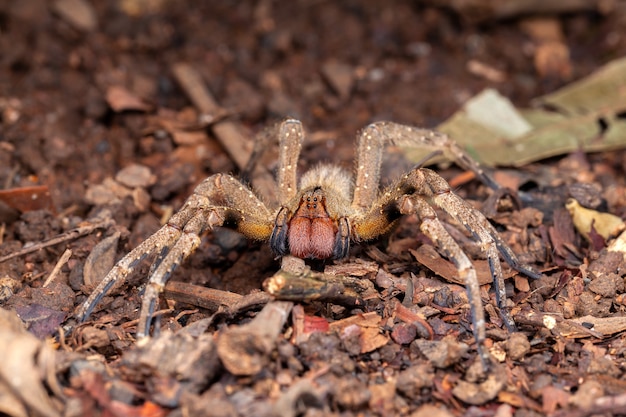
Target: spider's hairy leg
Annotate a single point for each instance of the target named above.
(158, 242)
(403, 135)
(218, 199)
(432, 227)
(369, 155)
(187, 243)
(478, 225)
(290, 137)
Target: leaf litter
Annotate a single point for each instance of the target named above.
(402, 345)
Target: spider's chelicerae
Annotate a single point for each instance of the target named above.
(321, 215)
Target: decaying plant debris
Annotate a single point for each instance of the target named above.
(111, 113)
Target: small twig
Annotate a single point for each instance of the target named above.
(57, 268)
(131, 323)
(64, 237)
(212, 299)
(227, 132)
(314, 286)
(185, 313)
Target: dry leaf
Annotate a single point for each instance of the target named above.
(585, 220)
(23, 359)
(120, 99)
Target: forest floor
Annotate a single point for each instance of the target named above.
(112, 112)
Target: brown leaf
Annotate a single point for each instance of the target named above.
(25, 199)
(120, 99)
(430, 258)
(100, 260)
(42, 321)
(23, 354)
(365, 328)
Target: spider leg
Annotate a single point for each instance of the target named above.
(158, 243)
(432, 227)
(483, 231)
(415, 193)
(404, 135)
(290, 137)
(186, 244)
(375, 137)
(218, 200)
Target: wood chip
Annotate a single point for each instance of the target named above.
(78, 13)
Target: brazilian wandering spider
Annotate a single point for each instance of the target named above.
(320, 216)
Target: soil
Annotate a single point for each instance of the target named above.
(101, 140)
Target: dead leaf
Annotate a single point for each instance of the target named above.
(25, 199)
(42, 321)
(495, 133)
(101, 260)
(363, 327)
(23, 355)
(430, 258)
(587, 220)
(120, 99)
(606, 326)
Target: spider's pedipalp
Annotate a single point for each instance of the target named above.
(315, 223)
(278, 238)
(342, 239)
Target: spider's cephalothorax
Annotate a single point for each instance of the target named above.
(320, 216)
(315, 224)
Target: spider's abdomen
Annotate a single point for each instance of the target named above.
(311, 230)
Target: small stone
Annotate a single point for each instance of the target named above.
(136, 175)
(340, 76)
(517, 346)
(604, 285)
(587, 393)
(444, 352)
(430, 410)
(404, 333)
(412, 380)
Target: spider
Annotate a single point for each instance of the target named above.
(319, 217)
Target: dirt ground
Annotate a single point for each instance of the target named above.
(112, 112)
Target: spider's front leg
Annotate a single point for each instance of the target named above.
(415, 193)
(218, 200)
